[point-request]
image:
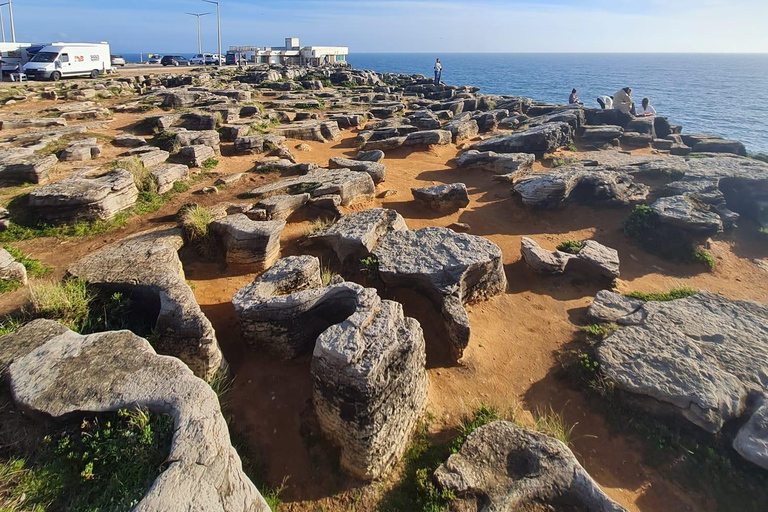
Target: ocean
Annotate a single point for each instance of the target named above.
(725, 95)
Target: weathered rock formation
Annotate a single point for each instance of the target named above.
(538, 140)
(249, 242)
(451, 268)
(499, 163)
(442, 198)
(375, 170)
(319, 131)
(22, 165)
(147, 267)
(506, 468)
(593, 257)
(702, 358)
(350, 186)
(79, 198)
(10, 269)
(56, 372)
(166, 175)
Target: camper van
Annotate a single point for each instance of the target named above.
(61, 60)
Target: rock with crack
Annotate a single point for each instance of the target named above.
(593, 186)
(462, 127)
(249, 242)
(250, 144)
(196, 156)
(498, 163)
(127, 140)
(319, 131)
(80, 198)
(55, 372)
(592, 257)
(370, 156)
(23, 165)
(375, 170)
(687, 214)
(369, 382)
(166, 175)
(280, 207)
(80, 151)
(354, 236)
(538, 140)
(442, 198)
(10, 269)
(702, 358)
(351, 186)
(208, 138)
(147, 267)
(451, 269)
(508, 468)
(150, 156)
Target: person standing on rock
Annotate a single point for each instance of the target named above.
(622, 101)
(438, 72)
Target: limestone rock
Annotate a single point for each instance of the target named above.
(10, 269)
(370, 156)
(249, 144)
(350, 186)
(354, 236)
(369, 382)
(541, 260)
(702, 357)
(148, 266)
(592, 257)
(167, 174)
(281, 207)
(249, 242)
(720, 146)
(57, 372)
(78, 198)
(149, 156)
(195, 156)
(684, 213)
(442, 198)
(319, 131)
(451, 268)
(375, 170)
(22, 165)
(508, 468)
(128, 141)
(81, 150)
(208, 138)
(538, 140)
(428, 137)
(499, 163)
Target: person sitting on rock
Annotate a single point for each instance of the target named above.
(573, 98)
(438, 72)
(622, 101)
(605, 102)
(646, 110)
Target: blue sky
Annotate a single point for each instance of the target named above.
(406, 26)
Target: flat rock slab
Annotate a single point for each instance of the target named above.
(538, 140)
(682, 212)
(592, 257)
(196, 156)
(78, 198)
(451, 268)
(593, 186)
(350, 186)
(129, 141)
(249, 242)
(167, 174)
(508, 468)
(148, 266)
(56, 372)
(375, 170)
(498, 163)
(354, 236)
(281, 207)
(442, 198)
(22, 165)
(702, 358)
(319, 131)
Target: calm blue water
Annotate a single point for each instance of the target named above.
(722, 94)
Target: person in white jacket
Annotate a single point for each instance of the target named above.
(438, 72)
(646, 110)
(605, 102)
(622, 100)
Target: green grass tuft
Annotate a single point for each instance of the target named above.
(210, 164)
(600, 330)
(570, 246)
(9, 285)
(483, 415)
(673, 294)
(704, 257)
(67, 302)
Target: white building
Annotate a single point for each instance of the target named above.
(294, 54)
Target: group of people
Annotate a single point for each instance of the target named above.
(621, 101)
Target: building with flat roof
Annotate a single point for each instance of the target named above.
(294, 54)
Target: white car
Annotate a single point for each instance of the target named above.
(201, 59)
(155, 59)
(212, 60)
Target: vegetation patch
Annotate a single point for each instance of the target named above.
(9, 285)
(210, 164)
(599, 331)
(166, 141)
(195, 221)
(645, 227)
(105, 462)
(33, 266)
(571, 246)
(264, 126)
(673, 294)
(704, 257)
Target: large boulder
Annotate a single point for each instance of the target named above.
(377, 171)
(594, 186)
(354, 236)
(538, 140)
(508, 468)
(442, 198)
(208, 138)
(350, 186)
(702, 358)
(80, 198)
(685, 213)
(369, 383)
(23, 165)
(451, 268)
(56, 373)
(249, 242)
(147, 267)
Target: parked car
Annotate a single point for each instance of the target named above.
(212, 60)
(155, 59)
(199, 59)
(117, 60)
(174, 60)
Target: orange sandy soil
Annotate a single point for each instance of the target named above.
(511, 356)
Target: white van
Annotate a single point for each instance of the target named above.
(69, 59)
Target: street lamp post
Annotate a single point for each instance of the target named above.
(218, 25)
(199, 40)
(2, 24)
(10, 14)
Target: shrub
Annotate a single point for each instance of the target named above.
(704, 257)
(194, 222)
(142, 176)
(318, 225)
(641, 222)
(644, 225)
(673, 294)
(209, 164)
(570, 246)
(326, 275)
(67, 302)
(560, 162)
(9, 324)
(369, 265)
(180, 186)
(572, 147)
